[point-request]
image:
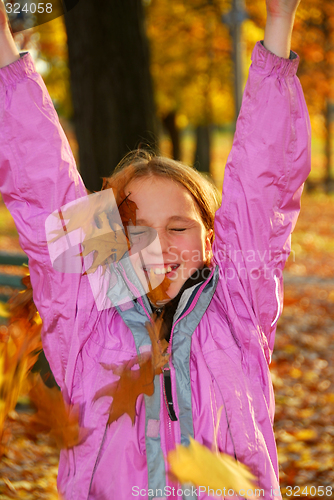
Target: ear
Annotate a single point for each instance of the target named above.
(208, 246)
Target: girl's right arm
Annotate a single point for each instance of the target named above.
(38, 175)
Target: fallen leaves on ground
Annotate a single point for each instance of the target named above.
(302, 371)
(28, 469)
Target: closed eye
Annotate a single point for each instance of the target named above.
(178, 229)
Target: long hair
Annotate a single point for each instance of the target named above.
(140, 163)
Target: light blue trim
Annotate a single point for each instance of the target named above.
(135, 318)
(181, 354)
(155, 458)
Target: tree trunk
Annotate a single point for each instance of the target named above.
(111, 84)
(202, 158)
(169, 122)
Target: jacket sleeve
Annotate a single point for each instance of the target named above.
(37, 176)
(263, 182)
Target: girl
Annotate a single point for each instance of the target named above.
(225, 294)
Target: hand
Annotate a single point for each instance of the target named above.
(280, 19)
(3, 16)
(282, 8)
(8, 50)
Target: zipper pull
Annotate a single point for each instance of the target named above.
(168, 394)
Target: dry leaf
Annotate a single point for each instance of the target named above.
(157, 291)
(103, 223)
(113, 243)
(54, 416)
(127, 210)
(84, 214)
(159, 345)
(18, 350)
(130, 385)
(198, 465)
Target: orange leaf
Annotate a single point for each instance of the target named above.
(130, 385)
(159, 345)
(54, 416)
(157, 291)
(105, 245)
(127, 210)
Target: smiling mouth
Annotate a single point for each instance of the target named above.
(161, 270)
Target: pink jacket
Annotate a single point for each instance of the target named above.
(224, 328)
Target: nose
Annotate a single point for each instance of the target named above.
(159, 245)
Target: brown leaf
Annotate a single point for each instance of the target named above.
(127, 210)
(104, 245)
(22, 304)
(54, 416)
(159, 345)
(157, 291)
(130, 385)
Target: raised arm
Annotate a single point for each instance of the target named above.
(279, 25)
(38, 176)
(264, 176)
(8, 50)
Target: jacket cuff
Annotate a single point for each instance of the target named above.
(18, 70)
(268, 61)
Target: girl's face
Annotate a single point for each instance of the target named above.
(182, 244)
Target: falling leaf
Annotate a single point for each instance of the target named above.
(113, 243)
(127, 210)
(54, 416)
(130, 385)
(18, 351)
(198, 465)
(157, 290)
(159, 345)
(4, 313)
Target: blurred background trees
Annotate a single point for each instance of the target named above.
(111, 84)
(190, 60)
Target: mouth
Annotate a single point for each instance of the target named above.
(167, 270)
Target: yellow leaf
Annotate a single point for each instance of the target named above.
(105, 245)
(306, 435)
(198, 465)
(4, 313)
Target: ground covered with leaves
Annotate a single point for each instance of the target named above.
(302, 371)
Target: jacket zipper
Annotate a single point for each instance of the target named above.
(170, 440)
(169, 407)
(167, 377)
(167, 390)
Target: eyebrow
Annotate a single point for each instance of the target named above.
(174, 218)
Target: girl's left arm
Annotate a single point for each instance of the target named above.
(279, 25)
(264, 176)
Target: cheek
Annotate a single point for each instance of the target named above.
(192, 252)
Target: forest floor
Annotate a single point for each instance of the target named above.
(302, 371)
